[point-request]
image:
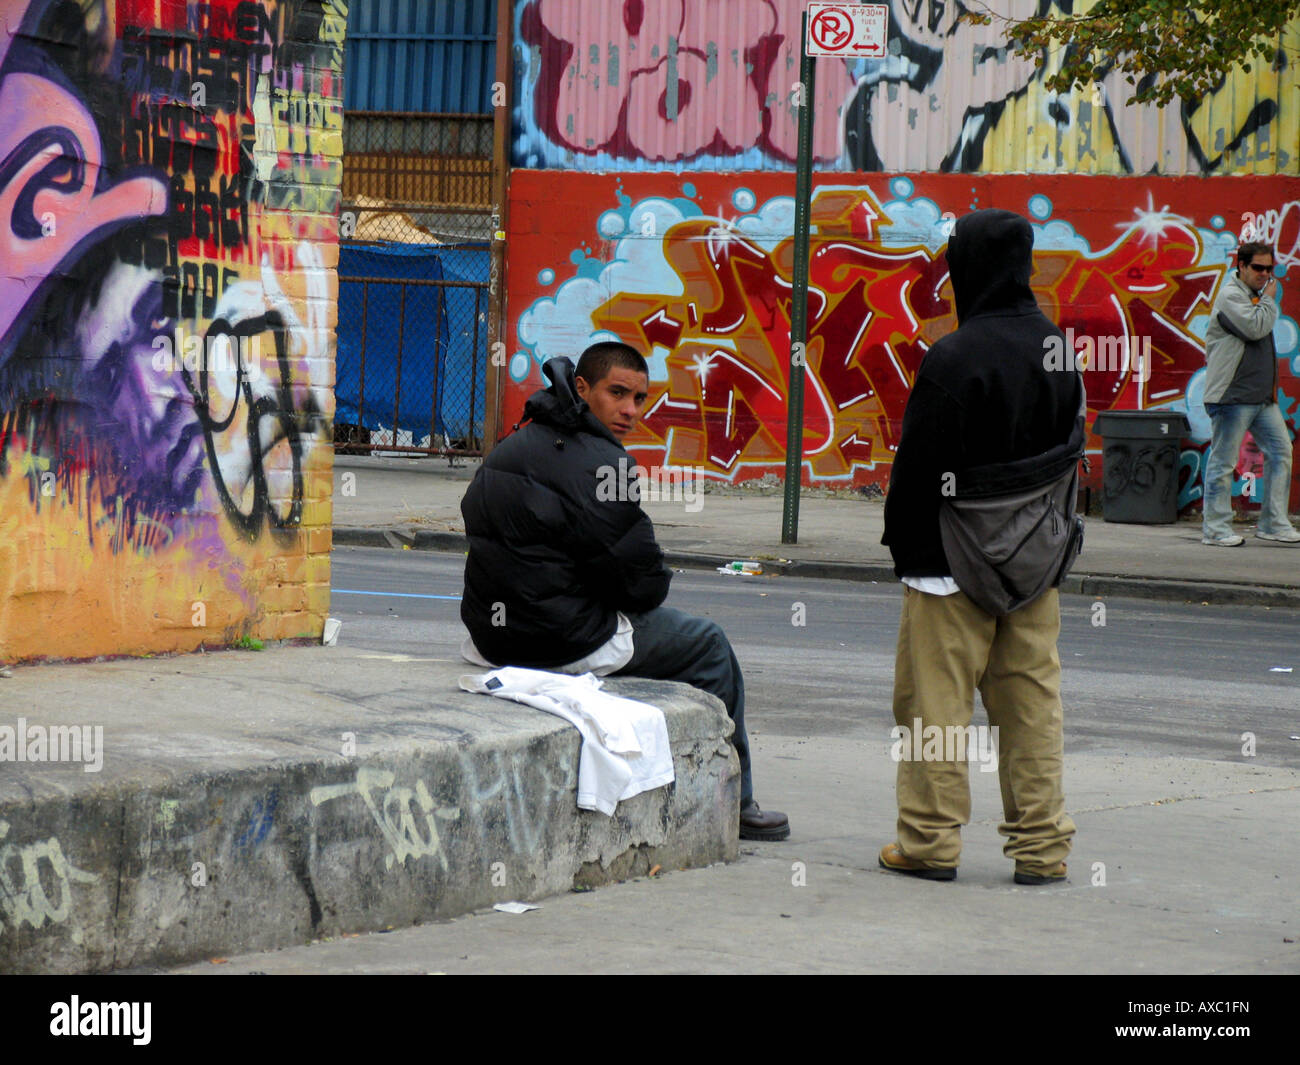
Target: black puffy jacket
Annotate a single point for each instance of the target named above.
(551, 561)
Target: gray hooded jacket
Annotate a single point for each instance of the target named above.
(1240, 357)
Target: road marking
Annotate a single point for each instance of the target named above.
(408, 658)
(393, 595)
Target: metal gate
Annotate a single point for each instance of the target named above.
(414, 279)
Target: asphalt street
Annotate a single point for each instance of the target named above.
(1159, 678)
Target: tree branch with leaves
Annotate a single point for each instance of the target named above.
(1164, 48)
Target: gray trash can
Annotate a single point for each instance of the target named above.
(1140, 465)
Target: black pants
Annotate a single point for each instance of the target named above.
(668, 644)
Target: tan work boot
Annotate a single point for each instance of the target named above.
(893, 859)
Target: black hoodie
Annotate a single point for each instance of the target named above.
(982, 395)
(556, 546)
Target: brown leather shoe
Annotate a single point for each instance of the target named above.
(1054, 875)
(757, 825)
(893, 859)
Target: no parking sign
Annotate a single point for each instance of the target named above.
(840, 31)
(848, 31)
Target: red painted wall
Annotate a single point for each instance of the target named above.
(694, 270)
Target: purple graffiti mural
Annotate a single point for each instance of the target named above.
(169, 190)
(133, 159)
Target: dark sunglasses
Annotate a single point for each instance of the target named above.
(1261, 269)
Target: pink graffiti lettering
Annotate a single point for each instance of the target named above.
(50, 159)
(671, 80)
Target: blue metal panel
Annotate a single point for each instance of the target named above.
(420, 55)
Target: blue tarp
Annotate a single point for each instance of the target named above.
(443, 339)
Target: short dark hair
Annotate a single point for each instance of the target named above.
(1252, 248)
(597, 361)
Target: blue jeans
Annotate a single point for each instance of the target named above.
(671, 645)
(1229, 423)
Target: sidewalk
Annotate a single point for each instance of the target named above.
(1175, 870)
(396, 501)
(253, 801)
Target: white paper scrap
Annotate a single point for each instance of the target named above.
(515, 907)
(1280, 669)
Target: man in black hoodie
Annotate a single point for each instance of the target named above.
(982, 395)
(563, 571)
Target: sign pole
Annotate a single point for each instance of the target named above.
(799, 295)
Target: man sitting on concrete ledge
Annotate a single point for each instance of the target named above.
(565, 575)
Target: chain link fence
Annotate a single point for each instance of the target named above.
(414, 276)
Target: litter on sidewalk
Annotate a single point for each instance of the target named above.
(742, 569)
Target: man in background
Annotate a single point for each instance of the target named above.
(1241, 396)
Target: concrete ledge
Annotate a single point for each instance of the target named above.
(228, 818)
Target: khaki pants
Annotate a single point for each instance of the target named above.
(948, 647)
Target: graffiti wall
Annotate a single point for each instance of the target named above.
(169, 184)
(711, 85)
(695, 270)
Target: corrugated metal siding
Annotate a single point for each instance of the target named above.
(420, 55)
(705, 85)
